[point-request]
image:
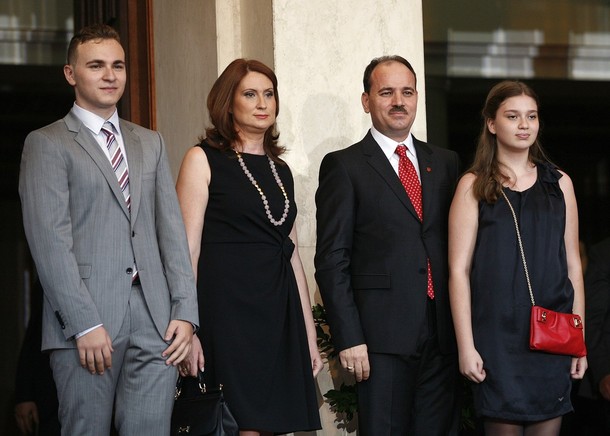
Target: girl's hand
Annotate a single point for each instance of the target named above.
(579, 366)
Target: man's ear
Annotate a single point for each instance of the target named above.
(69, 74)
(364, 99)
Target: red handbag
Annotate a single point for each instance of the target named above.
(556, 332)
(550, 331)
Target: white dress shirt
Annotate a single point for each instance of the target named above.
(95, 123)
(388, 146)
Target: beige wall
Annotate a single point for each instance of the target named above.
(194, 40)
(185, 69)
(319, 50)
(245, 30)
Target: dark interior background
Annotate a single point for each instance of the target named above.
(575, 133)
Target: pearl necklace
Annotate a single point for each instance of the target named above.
(262, 194)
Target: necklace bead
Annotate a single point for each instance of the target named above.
(250, 177)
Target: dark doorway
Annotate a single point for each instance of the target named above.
(575, 133)
(32, 96)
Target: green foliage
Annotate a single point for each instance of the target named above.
(324, 342)
(468, 418)
(344, 402)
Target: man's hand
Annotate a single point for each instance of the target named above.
(26, 414)
(180, 333)
(356, 361)
(95, 350)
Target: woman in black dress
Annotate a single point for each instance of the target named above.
(517, 391)
(237, 199)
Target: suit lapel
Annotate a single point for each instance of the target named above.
(133, 148)
(427, 175)
(85, 139)
(378, 160)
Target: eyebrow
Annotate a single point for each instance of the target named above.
(100, 61)
(389, 88)
(256, 90)
(518, 111)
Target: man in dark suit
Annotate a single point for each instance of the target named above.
(35, 394)
(381, 262)
(105, 230)
(593, 404)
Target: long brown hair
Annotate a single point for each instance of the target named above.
(491, 174)
(222, 133)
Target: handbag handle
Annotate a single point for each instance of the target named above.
(527, 275)
(200, 383)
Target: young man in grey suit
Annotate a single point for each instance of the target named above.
(381, 263)
(105, 231)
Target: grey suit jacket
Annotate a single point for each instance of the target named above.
(84, 240)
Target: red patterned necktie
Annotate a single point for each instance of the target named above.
(410, 181)
(118, 162)
(408, 178)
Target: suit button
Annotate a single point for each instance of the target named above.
(129, 271)
(133, 234)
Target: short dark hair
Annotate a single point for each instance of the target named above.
(90, 33)
(222, 133)
(366, 81)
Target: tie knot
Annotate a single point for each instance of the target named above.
(401, 150)
(108, 131)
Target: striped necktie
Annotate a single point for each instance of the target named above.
(118, 161)
(119, 165)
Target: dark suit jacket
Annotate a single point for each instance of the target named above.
(372, 250)
(34, 378)
(597, 318)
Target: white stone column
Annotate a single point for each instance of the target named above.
(321, 49)
(185, 68)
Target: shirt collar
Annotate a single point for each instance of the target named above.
(388, 146)
(94, 122)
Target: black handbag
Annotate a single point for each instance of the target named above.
(203, 412)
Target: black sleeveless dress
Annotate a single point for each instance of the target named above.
(252, 327)
(521, 384)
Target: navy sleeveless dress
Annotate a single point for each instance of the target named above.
(521, 384)
(252, 327)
